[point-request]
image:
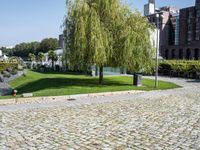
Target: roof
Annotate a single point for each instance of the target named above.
(58, 52)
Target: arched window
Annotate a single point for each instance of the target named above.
(167, 54)
(188, 54)
(180, 54)
(173, 53)
(196, 54)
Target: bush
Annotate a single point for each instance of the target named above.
(14, 72)
(9, 70)
(179, 68)
(6, 74)
(20, 68)
(4, 66)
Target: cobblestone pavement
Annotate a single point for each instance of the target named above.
(153, 120)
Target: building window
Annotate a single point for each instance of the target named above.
(197, 35)
(177, 30)
(190, 14)
(180, 54)
(189, 36)
(167, 54)
(173, 53)
(188, 54)
(198, 13)
(196, 54)
(197, 32)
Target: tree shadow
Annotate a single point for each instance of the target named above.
(59, 83)
(194, 81)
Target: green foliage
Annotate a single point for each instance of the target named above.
(14, 71)
(14, 59)
(53, 57)
(23, 49)
(31, 57)
(7, 51)
(179, 66)
(40, 57)
(48, 44)
(4, 66)
(6, 74)
(105, 32)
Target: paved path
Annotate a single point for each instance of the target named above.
(4, 88)
(152, 120)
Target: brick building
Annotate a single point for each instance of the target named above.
(179, 32)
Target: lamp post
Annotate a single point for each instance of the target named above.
(158, 16)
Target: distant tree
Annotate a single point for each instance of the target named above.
(7, 51)
(48, 44)
(35, 47)
(23, 49)
(41, 57)
(53, 57)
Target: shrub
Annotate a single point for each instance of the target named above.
(179, 67)
(14, 72)
(20, 68)
(9, 70)
(6, 74)
(4, 66)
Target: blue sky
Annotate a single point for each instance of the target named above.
(33, 20)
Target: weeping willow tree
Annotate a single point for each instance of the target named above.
(106, 32)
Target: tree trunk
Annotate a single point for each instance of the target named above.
(96, 70)
(101, 75)
(53, 65)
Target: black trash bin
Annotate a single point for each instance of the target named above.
(137, 80)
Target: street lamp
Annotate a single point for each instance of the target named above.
(158, 17)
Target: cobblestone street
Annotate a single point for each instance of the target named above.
(150, 120)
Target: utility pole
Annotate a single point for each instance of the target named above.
(157, 49)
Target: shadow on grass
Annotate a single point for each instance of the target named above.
(60, 83)
(61, 73)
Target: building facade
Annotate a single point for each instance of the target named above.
(188, 46)
(179, 32)
(61, 41)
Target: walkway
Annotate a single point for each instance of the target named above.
(5, 89)
(151, 120)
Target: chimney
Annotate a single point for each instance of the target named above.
(149, 8)
(152, 1)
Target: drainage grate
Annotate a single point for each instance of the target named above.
(71, 99)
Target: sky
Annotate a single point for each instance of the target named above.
(34, 20)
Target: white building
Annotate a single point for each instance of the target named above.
(59, 62)
(1, 53)
(149, 8)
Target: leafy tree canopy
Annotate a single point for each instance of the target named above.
(106, 32)
(48, 44)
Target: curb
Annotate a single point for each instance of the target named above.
(65, 97)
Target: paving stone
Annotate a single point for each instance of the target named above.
(150, 121)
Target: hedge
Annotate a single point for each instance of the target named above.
(4, 66)
(179, 67)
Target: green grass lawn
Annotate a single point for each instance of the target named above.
(54, 84)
